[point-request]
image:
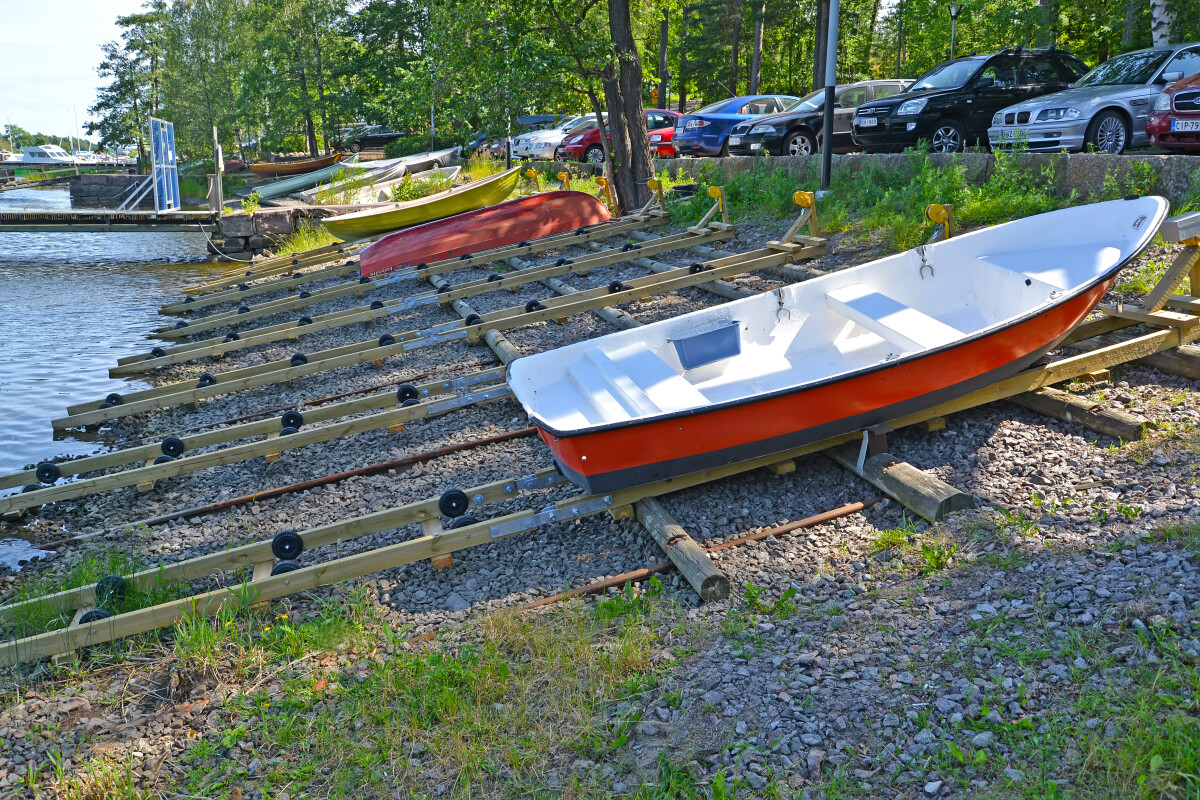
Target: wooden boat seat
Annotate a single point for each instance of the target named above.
(890, 319)
(637, 383)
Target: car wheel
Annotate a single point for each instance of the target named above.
(800, 143)
(1108, 133)
(948, 137)
(356, 148)
(594, 155)
(724, 153)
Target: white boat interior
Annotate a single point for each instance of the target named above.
(897, 307)
(45, 155)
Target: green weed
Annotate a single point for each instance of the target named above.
(936, 556)
(306, 237)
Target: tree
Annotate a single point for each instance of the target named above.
(626, 117)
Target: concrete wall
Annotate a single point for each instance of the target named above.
(1177, 177)
(96, 187)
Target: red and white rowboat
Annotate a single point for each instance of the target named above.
(495, 226)
(830, 356)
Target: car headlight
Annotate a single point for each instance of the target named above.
(998, 119)
(912, 107)
(1058, 114)
(1163, 103)
(656, 137)
(574, 139)
(763, 129)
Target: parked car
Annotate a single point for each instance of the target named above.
(951, 105)
(661, 141)
(1106, 110)
(796, 131)
(706, 132)
(542, 143)
(1175, 121)
(369, 137)
(585, 146)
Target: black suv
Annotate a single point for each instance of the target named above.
(952, 105)
(796, 131)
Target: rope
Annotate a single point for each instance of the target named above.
(219, 251)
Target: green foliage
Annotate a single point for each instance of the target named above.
(414, 187)
(250, 203)
(781, 608)
(936, 556)
(306, 237)
(344, 185)
(629, 603)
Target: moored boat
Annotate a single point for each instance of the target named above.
(468, 197)
(276, 168)
(495, 226)
(829, 356)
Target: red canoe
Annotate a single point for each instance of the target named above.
(830, 356)
(495, 226)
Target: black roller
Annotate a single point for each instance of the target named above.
(407, 392)
(295, 261)
(30, 487)
(562, 262)
(462, 522)
(305, 320)
(453, 502)
(231, 337)
(295, 275)
(494, 277)
(533, 305)
(172, 446)
(341, 248)
(180, 325)
(163, 460)
(694, 268)
(243, 309)
(445, 287)
(422, 265)
(386, 339)
(410, 402)
(157, 352)
(47, 472)
(305, 295)
(249, 273)
(114, 399)
(298, 359)
(110, 591)
(243, 287)
(630, 246)
(95, 615)
(189, 299)
(106, 405)
(364, 279)
(616, 286)
(473, 319)
(283, 567)
(287, 545)
(465, 257)
(206, 379)
(289, 431)
(523, 243)
(581, 231)
(292, 419)
(376, 305)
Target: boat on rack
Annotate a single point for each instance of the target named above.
(277, 168)
(830, 356)
(495, 226)
(283, 186)
(468, 197)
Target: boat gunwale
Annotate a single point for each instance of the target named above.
(1143, 243)
(407, 204)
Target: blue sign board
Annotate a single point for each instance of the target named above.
(165, 170)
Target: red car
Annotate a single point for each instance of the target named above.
(586, 146)
(1174, 124)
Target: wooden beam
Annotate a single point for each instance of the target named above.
(1181, 361)
(1079, 411)
(918, 491)
(693, 563)
(1185, 262)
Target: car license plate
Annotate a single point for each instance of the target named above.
(867, 122)
(1185, 124)
(734, 140)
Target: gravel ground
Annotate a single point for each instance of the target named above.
(881, 666)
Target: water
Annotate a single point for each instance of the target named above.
(71, 304)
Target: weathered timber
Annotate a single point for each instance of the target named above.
(693, 563)
(918, 491)
(1080, 411)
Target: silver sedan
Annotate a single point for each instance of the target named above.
(1105, 110)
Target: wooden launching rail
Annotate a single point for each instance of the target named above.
(560, 308)
(218, 347)
(342, 267)
(104, 221)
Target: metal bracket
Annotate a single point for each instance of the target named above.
(550, 514)
(874, 442)
(530, 482)
(470, 398)
(416, 301)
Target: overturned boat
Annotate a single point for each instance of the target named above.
(829, 356)
(525, 218)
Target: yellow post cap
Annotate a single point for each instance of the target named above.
(602, 181)
(936, 213)
(652, 184)
(714, 192)
(562, 176)
(529, 173)
(804, 199)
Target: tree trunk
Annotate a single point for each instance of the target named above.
(899, 36)
(756, 56)
(681, 81)
(735, 12)
(1161, 20)
(1130, 24)
(820, 45)
(1045, 32)
(321, 89)
(626, 116)
(662, 61)
(309, 129)
(605, 143)
(871, 36)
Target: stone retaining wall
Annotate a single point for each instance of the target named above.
(252, 233)
(104, 186)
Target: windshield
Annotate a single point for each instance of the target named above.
(579, 124)
(809, 102)
(565, 125)
(1129, 68)
(715, 108)
(947, 75)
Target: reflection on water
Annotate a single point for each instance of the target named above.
(71, 304)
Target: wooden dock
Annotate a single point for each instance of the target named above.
(100, 220)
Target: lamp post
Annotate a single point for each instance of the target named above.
(955, 10)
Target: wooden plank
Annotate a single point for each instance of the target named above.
(918, 491)
(693, 563)
(1159, 319)
(1181, 361)
(932, 425)
(1187, 260)
(1079, 411)
(338, 270)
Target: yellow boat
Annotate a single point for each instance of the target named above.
(468, 197)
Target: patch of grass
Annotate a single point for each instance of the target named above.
(414, 187)
(250, 203)
(936, 556)
(98, 779)
(482, 166)
(304, 238)
(344, 185)
(781, 608)
(891, 539)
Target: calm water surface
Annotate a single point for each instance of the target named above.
(71, 304)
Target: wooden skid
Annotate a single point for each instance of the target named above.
(171, 395)
(217, 347)
(273, 267)
(339, 270)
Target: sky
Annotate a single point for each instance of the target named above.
(49, 52)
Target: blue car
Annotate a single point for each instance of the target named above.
(706, 133)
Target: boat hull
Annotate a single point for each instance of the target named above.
(295, 167)
(610, 459)
(495, 226)
(487, 192)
